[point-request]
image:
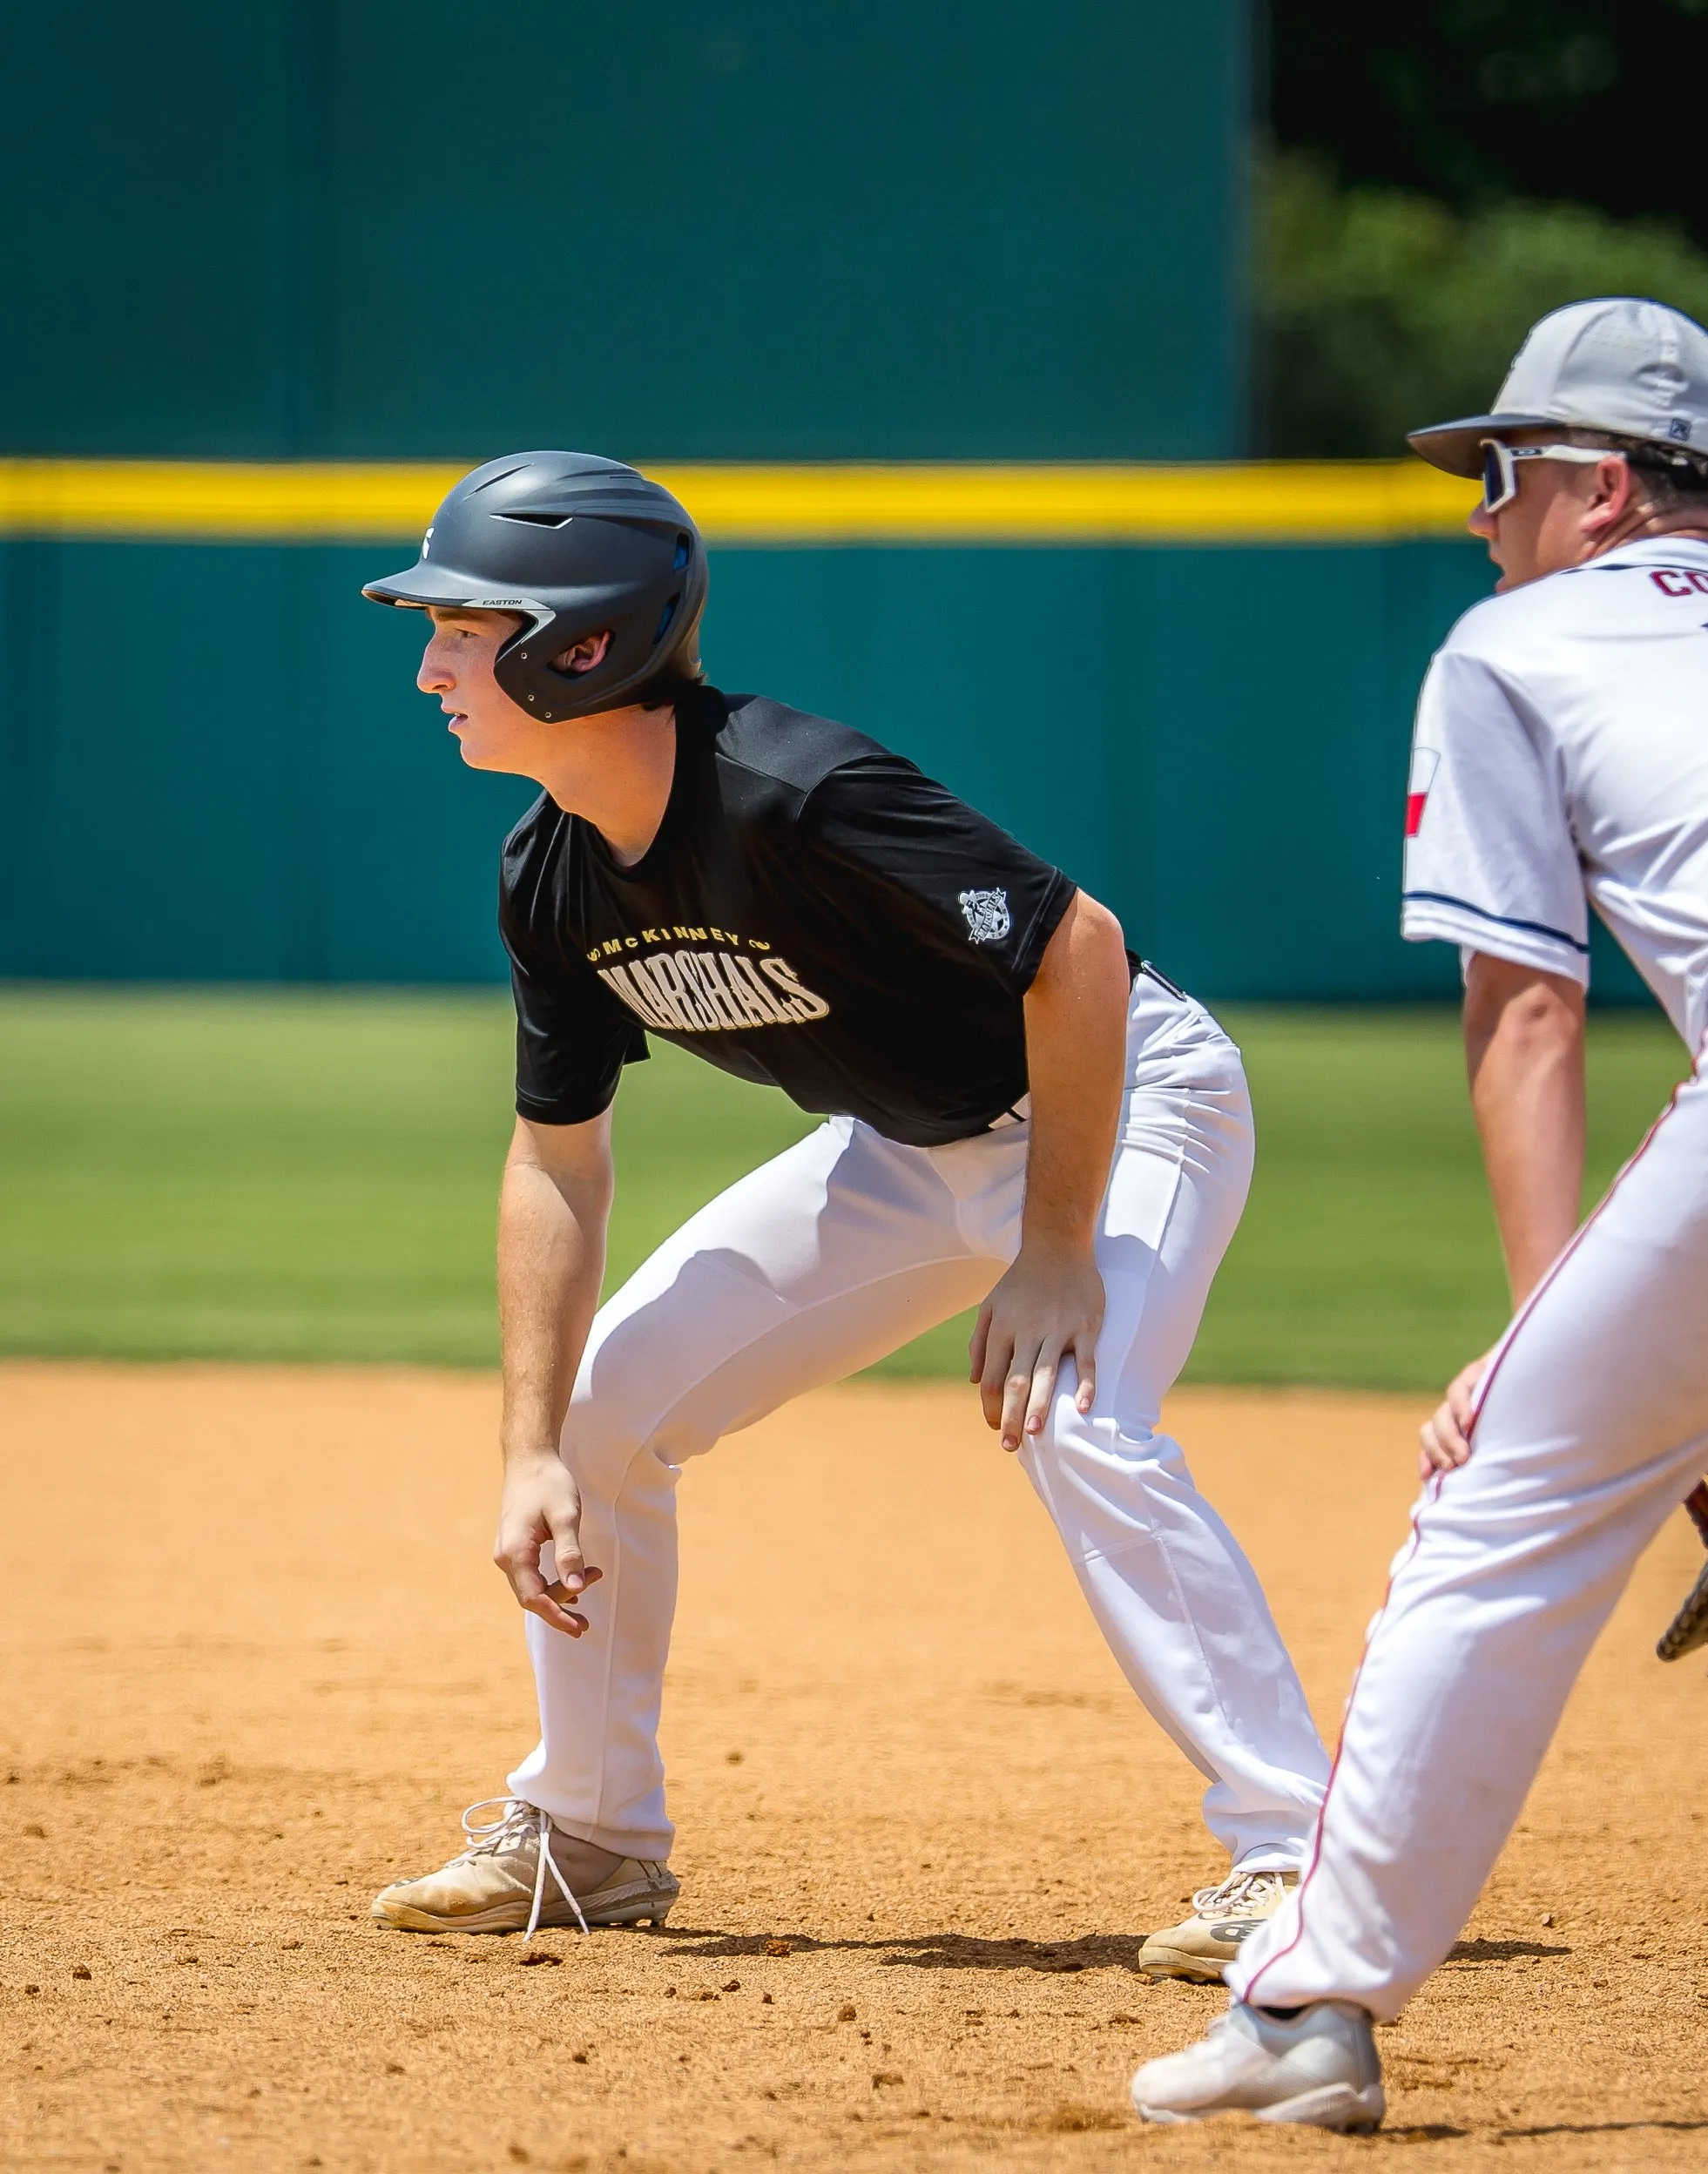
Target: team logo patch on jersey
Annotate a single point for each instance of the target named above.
(1425, 763)
(987, 917)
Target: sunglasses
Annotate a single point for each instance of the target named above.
(1500, 466)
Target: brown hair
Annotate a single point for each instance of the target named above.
(1670, 474)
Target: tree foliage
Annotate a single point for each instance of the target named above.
(1378, 309)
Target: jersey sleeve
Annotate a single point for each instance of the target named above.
(883, 839)
(572, 1036)
(1491, 864)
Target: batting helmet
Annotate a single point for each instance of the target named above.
(578, 545)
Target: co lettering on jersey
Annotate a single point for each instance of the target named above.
(713, 992)
(1680, 581)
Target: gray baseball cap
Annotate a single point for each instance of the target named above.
(1620, 364)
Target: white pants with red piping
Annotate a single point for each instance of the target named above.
(1592, 1425)
(833, 1255)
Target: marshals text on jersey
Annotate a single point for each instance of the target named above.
(684, 991)
(813, 914)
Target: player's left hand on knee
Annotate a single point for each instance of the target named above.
(1045, 1309)
(1445, 1436)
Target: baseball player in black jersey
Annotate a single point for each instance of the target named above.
(1017, 1114)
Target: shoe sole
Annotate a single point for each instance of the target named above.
(1176, 1962)
(1335, 2106)
(644, 1910)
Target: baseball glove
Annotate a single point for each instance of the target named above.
(1688, 1627)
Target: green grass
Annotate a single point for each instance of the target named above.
(1368, 1254)
(260, 1175)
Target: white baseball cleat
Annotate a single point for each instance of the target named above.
(1321, 2069)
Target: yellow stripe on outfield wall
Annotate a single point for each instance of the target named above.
(1258, 502)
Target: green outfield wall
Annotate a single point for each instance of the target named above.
(1191, 687)
(213, 764)
(756, 230)
(932, 314)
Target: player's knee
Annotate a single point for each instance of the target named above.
(625, 1405)
(1108, 1449)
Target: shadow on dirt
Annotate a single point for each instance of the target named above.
(930, 1951)
(1499, 1950)
(1600, 2128)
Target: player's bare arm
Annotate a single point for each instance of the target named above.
(1524, 1055)
(1050, 1304)
(558, 1184)
(552, 1213)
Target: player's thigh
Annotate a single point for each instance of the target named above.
(813, 1346)
(1177, 1190)
(812, 1266)
(1602, 1378)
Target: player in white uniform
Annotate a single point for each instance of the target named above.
(1559, 761)
(1017, 1114)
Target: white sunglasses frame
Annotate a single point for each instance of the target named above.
(1507, 458)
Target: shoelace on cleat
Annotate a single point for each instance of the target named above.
(1246, 1888)
(515, 1825)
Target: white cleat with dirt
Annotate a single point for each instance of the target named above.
(1201, 1946)
(509, 1881)
(1319, 2070)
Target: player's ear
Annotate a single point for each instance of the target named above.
(582, 656)
(1614, 488)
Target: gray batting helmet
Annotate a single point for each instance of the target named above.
(578, 545)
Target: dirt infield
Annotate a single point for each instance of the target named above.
(256, 1664)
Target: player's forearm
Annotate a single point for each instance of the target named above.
(1076, 1061)
(1524, 1050)
(552, 1245)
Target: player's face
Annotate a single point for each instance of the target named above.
(457, 666)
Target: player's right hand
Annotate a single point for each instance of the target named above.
(541, 1505)
(1446, 1435)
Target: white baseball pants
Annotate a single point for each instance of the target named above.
(1592, 1425)
(832, 1255)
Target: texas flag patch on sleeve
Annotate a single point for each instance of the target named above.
(1425, 763)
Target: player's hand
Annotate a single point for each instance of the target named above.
(1446, 1435)
(1046, 1308)
(542, 1502)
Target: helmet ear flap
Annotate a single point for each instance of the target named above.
(521, 658)
(526, 665)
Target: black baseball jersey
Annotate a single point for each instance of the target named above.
(814, 914)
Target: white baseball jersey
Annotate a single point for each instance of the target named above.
(1561, 759)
